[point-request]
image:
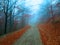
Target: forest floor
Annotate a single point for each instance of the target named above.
(43, 34)
(50, 33)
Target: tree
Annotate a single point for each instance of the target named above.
(8, 7)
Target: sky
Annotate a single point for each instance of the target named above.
(34, 8)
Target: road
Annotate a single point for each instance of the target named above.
(30, 37)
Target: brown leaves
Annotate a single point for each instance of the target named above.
(9, 39)
(50, 33)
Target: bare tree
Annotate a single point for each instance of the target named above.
(8, 7)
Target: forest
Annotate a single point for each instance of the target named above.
(27, 20)
(15, 14)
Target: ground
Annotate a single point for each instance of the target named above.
(43, 34)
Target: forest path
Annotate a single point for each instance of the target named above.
(30, 37)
